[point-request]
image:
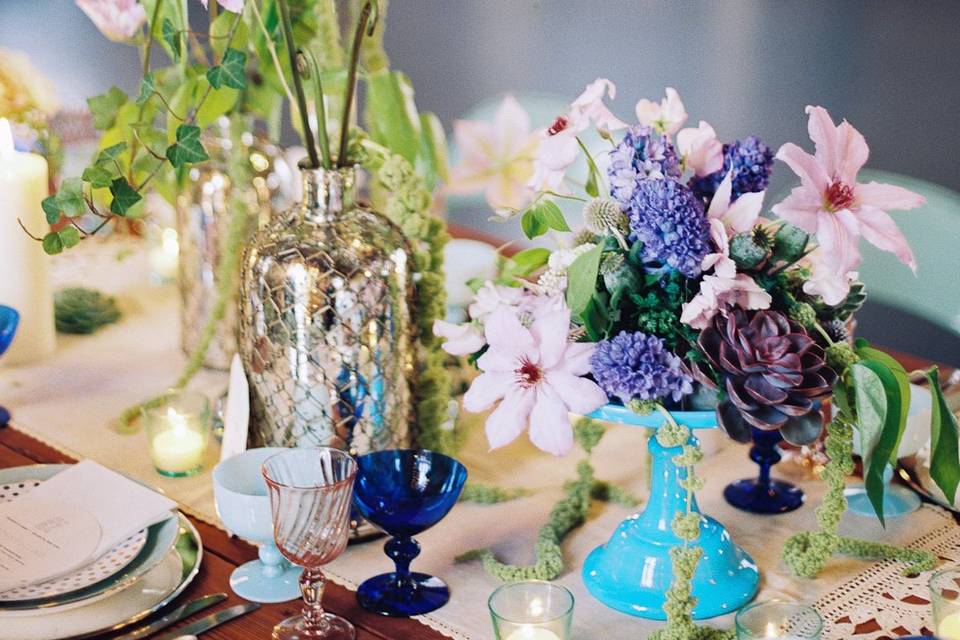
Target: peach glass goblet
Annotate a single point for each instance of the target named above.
(310, 496)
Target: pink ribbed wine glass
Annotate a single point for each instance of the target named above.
(310, 497)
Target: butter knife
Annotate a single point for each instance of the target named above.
(174, 616)
(211, 621)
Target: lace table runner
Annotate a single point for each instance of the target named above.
(880, 602)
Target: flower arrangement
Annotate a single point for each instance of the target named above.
(28, 101)
(680, 293)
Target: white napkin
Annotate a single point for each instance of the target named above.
(236, 415)
(120, 505)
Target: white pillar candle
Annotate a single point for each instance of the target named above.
(533, 633)
(949, 627)
(24, 268)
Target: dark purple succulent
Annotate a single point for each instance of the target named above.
(773, 374)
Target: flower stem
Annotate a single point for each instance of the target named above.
(314, 73)
(362, 26)
(298, 84)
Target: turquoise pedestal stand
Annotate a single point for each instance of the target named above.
(632, 572)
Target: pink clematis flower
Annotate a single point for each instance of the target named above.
(723, 289)
(118, 20)
(497, 157)
(534, 375)
(559, 148)
(461, 339)
(833, 206)
(700, 149)
(738, 216)
(666, 116)
(236, 6)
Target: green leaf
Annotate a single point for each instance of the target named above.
(52, 244)
(878, 401)
(112, 153)
(552, 216)
(51, 209)
(582, 279)
(69, 237)
(591, 186)
(231, 72)
(903, 378)
(392, 113)
(220, 31)
(171, 35)
(944, 453)
(70, 197)
(187, 149)
(596, 319)
(124, 196)
(532, 223)
(432, 160)
(104, 107)
(526, 262)
(218, 103)
(593, 178)
(99, 175)
(148, 86)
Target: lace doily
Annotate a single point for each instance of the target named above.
(881, 603)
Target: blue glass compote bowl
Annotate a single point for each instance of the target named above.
(764, 494)
(405, 492)
(9, 319)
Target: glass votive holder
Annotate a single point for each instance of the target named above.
(177, 434)
(779, 619)
(531, 610)
(945, 601)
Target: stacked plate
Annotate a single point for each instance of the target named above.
(126, 584)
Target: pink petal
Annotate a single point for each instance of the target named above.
(581, 395)
(550, 329)
(474, 140)
(837, 234)
(809, 169)
(699, 312)
(887, 196)
(511, 124)
(235, 6)
(743, 213)
(853, 151)
(721, 198)
(576, 359)
(880, 230)
(509, 419)
(802, 208)
(824, 135)
(486, 389)
(500, 360)
(462, 339)
(504, 191)
(550, 428)
(505, 332)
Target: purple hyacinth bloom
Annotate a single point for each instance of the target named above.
(636, 366)
(643, 153)
(752, 162)
(670, 221)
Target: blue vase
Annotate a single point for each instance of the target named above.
(9, 319)
(763, 494)
(632, 572)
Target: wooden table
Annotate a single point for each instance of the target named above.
(221, 555)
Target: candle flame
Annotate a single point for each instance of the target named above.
(178, 422)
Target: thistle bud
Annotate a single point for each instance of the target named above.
(603, 216)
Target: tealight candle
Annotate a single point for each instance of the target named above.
(945, 600)
(177, 433)
(532, 610)
(25, 283)
(780, 620)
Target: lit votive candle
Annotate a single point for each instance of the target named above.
(178, 432)
(778, 619)
(532, 610)
(945, 601)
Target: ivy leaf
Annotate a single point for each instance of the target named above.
(51, 209)
(552, 216)
(220, 31)
(104, 108)
(231, 72)
(69, 237)
(70, 197)
(172, 37)
(112, 153)
(187, 149)
(99, 176)
(148, 86)
(944, 455)
(582, 280)
(124, 196)
(532, 223)
(52, 244)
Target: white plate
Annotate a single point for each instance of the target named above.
(100, 569)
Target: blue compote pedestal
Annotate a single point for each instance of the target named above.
(632, 572)
(764, 494)
(9, 319)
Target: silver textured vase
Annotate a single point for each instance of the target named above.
(326, 336)
(203, 209)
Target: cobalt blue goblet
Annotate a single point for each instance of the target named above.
(9, 319)
(405, 492)
(764, 494)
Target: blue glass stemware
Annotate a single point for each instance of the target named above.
(405, 492)
(763, 494)
(9, 319)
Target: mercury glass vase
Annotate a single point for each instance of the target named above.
(633, 570)
(203, 219)
(326, 336)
